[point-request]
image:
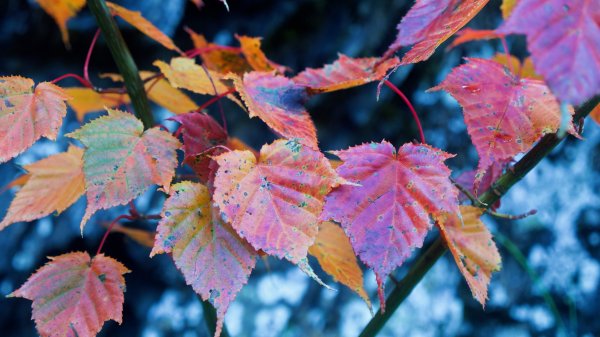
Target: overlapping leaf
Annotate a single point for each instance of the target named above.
(185, 73)
(257, 59)
(507, 7)
(388, 214)
(61, 11)
(222, 59)
(54, 184)
(26, 115)
(334, 252)
(474, 251)
(86, 100)
(73, 294)
(468, 35)
(563, 37)
(431, 22)
(279, 102)
(595, 114)
(523, 69)
(136, 19)
(274, 201)
(122, 160)
(505, 115)
(214, 260)
(345, 73)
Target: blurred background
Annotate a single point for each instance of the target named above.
(549, 282)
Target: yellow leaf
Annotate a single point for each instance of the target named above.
(507, 7)
(185, 73)
(136, 19)
(255, 56)
(61, 11)
(86, 100)
(143, 237)
(54, 184)
(335, 255)
(222, 59)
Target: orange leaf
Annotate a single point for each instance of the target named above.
(73, 295)
(507, 8)
(62, 11)
(468, 35)
(222, 59)
(141, 236)
(474, 251)
(255, 56)
(122, 160)
(335, 255)
(524, 69)
(18, 181)
(136, 19)
(279, 102)
(86, 100)
(27, 115)
(54, 184)
(345, 73)
(213, 259)
(595, 114)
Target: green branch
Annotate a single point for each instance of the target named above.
(427, 259)
(124, 61)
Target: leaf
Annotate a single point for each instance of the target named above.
(505, 115)
(214, 260)
(345, 73)
(61, 11)
(185, 73)
(274, 201)
(564, 40)
(122, 160)
(161, 92)
(469, 180)
(86, 100)
(507, 7)
(429, 23)
(335, 255)
(18, 181)
(524, 69)
(73, 295)
(254, 55)
(54, 184)
(222, 59)
(136, 19)
(595, 114)
(474, 251)
(279, 102)
(141, 236)
(201, 133)
(388, 214)
(26, 115)
(467, 35)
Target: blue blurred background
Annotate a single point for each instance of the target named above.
(549, 282)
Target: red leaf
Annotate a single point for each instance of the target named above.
(474, 251)
(274, 201)
(74, 295)
(563, 37)
(431, 22)
(505, 115)
(214, 260)
(468, 35)
(279, 102)
(387, 216)
(345, 73)
(26, 115)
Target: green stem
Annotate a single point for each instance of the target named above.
(427, 259)
(125, 64)
(210, 317)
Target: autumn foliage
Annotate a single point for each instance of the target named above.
(286, 199)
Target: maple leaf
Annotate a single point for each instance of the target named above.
(201, 133)
(122, 160)
(184, 73)
(334, 252)
(54, 184)
(345, 73)
(474, 251)
(26, 115)
(279, 102)
(505, 115)
(564, 40)
(429, 23)
(257, 59)
(222, 59)
(136, 19)
(161, 92)
(388, 215)
(214, 260)
(61, 11)
(73, 294)
(274, 201)
(86, 100)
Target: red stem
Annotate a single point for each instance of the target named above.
(82, 80)
(410, 107)
(86, 65)
(109, 229)
(215, 99)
